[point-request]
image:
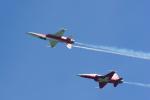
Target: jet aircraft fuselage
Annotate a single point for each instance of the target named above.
(54, 38)
(111, 77)
(60, 38)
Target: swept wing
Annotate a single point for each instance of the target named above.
(60, 33)
(102, 84)
(53, 43)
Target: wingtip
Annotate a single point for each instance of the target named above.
(63, 28)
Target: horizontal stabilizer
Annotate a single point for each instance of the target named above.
(115, 84)
(119, 81)
(69, 46)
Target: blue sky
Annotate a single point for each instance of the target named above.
(30, 70)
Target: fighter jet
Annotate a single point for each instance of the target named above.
(54, 38)
(111, 77)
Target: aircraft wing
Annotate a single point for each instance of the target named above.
(102, 84)
(110, 75)
(60, 33)
(53, 43)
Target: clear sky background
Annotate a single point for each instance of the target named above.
(31, 71)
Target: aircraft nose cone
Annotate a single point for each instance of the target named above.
(83, 75)
(91, 76)
(79, 75)
(28, 32)
(31, 33)
(35, 34)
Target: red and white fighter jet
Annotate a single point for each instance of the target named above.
(111, 77)
(54, 38)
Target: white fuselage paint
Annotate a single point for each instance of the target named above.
(63, 37)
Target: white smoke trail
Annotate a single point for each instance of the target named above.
(113, 50)
(95, 49)
(138, 84)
